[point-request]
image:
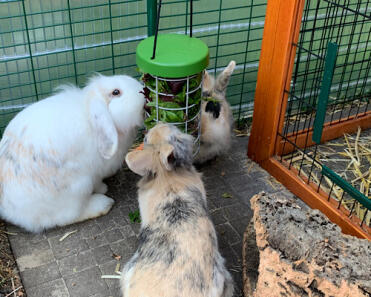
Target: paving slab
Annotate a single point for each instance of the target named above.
(49, 289)
(73, 267)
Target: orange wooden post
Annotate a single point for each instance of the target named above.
(281, 30)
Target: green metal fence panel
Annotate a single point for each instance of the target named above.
(348, 24)
(46, 43)
(321, 93)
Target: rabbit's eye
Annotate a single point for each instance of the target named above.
(116, 92)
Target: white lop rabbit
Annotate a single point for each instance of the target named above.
(178, 249)
(216, 116)
(55, 153)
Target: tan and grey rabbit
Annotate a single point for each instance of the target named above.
(216, 116)
(178, 250)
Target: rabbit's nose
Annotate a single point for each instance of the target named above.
(214, 108)
(206, 93)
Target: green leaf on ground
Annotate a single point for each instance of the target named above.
(134, 216)
(227, 195)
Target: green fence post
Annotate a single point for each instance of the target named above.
(151, 16)
(328, 74)
(347, 187)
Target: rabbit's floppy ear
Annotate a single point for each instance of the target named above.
(139, 162)
(223, 78)
(103, 126)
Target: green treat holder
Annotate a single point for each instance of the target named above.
(173, 81)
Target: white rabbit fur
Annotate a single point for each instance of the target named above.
(55, 153)
(178, 249)
(216, 117)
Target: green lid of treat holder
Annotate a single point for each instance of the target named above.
(176, 56)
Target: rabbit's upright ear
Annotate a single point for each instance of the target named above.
(103, 127)
(208, 81)
(178, 152)
(167, 156)
(139, 162)
(223, 78)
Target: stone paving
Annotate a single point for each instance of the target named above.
(72, 267)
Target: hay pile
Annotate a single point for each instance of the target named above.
(10, 282)
(349, 157)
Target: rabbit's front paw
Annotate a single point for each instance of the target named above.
(98, 205)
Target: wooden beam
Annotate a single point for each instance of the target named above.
(281, 31)
(308, 193)
(331, 131)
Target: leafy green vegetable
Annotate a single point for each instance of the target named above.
(210, 99)
(150, 122)
(164, 104)
(175, 98)
(169, 116)
(135, 216)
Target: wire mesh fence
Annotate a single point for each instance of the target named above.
(350, 29)
(46, 43)
(340, 169)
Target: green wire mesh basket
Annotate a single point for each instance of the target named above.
(173, 81)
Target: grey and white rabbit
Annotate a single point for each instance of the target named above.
(55, 153)
(178, 250)
(216, 116)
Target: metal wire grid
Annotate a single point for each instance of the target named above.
(325, 21)
(347, 23)
(46, 43)
(233, 31)
(187, 122)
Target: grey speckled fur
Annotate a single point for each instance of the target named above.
(178, 250)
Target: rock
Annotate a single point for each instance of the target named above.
(302, 253)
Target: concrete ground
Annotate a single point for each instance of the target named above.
(74, 266)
